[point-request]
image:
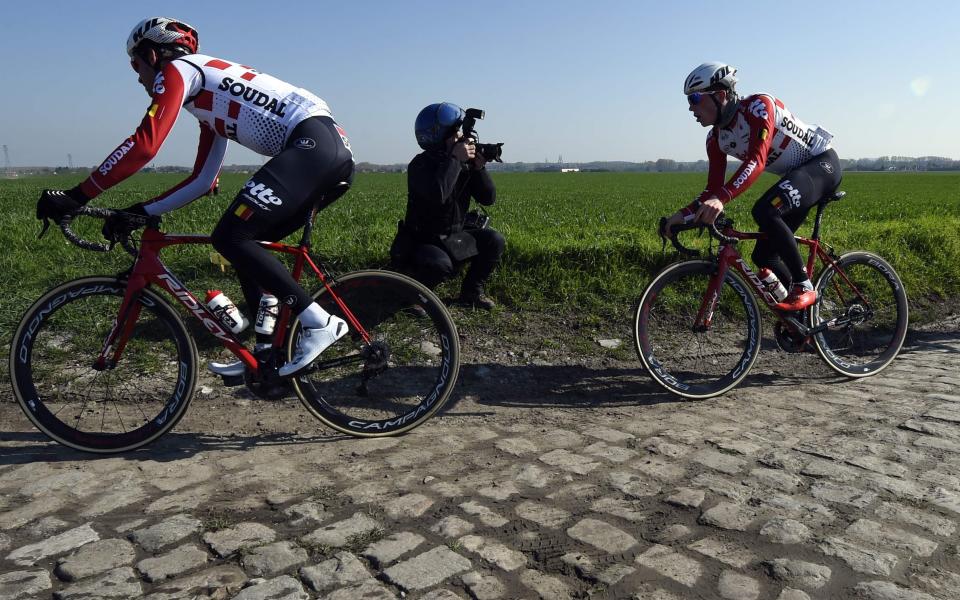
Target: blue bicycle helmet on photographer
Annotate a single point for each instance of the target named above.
(436, 123)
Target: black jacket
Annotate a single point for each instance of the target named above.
(439, 191)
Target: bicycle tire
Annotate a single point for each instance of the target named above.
(423, 347)
(868, 335)
(109, 410)
(685, 362)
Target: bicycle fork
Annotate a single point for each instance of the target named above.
(123, 325)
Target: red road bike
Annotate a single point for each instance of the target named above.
(105, 363)
(697, 326)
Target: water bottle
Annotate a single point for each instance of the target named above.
(226, 311)
(267, 314)
(772, 284)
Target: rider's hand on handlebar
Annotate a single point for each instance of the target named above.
(674, 219)
(120, 223)
(708, 211)
(53, 204)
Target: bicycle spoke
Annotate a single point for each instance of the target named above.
(865, 313)
(102, 410)
(688, 360)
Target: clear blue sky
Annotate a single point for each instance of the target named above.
(597, 80)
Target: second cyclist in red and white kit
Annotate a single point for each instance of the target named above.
(760, 132)
(310, 156)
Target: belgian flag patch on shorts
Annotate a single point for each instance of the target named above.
(243, 211)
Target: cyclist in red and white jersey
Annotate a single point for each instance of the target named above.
(760, 132)
(310, 156)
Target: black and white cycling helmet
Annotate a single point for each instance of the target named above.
(164, 33)
(710, 77)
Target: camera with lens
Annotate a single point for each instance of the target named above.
(476, 220)
(490, 152)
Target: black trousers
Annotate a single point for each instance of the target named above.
(430, 264)
(783, 208)
(276, 202)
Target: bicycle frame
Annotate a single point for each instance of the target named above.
(148, 269)
(729, 258)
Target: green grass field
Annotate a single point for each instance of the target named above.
(579, 243)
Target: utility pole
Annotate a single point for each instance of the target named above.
(6, 159)
(70, 161)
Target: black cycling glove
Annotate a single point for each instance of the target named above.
(123, 222)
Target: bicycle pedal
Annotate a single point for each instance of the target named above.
(232, 380)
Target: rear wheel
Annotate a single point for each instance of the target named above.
(687, 361)
(101, 409)
(401, 377)
(864, 306)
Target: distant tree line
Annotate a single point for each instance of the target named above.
(662, 165)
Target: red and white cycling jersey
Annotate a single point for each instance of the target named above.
(764, 135)
(231, 101)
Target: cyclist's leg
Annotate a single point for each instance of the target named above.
(274, 203)
(783, 208)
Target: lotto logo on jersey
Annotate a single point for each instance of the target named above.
(758, 109)
(158, 85)
(792, 193)
(260, 192)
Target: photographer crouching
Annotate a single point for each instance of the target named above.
(438, 235)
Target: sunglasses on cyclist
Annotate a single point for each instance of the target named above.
(695, 98)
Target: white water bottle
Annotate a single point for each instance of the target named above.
(772, 283)
(226, 311)
(267, 314)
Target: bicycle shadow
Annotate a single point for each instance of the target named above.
(34, 446)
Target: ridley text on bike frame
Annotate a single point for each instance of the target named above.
(149, 269)
(728, 257)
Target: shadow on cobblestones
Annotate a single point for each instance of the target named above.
(173, 446)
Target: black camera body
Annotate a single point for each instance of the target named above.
(490, 152)
(476, 220)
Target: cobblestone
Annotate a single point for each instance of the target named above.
(24, 584)
(736, 586)
(800, 573)
(173, 563)
(167, 532)
(243, 535)
(343, 570)
(828, 488)
(95, 558)
(602, 535)
(427, 570)
(666, 562)
(273, 559)
(31, 554)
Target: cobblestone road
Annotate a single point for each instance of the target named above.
(782, 489)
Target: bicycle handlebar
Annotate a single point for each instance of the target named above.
(131, 222)
(710, 227)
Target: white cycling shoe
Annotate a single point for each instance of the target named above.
(228, 369)
(311, 343)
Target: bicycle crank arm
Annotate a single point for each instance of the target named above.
(335, 362)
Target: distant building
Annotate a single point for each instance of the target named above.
(570, 170)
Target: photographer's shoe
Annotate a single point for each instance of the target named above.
(476, 300)
(311, 343)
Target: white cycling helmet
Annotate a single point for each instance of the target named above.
(165, 33)
(710, 77)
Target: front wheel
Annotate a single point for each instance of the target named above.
(862, 307)
(101, 408)
(401, 376)
(685, 359)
